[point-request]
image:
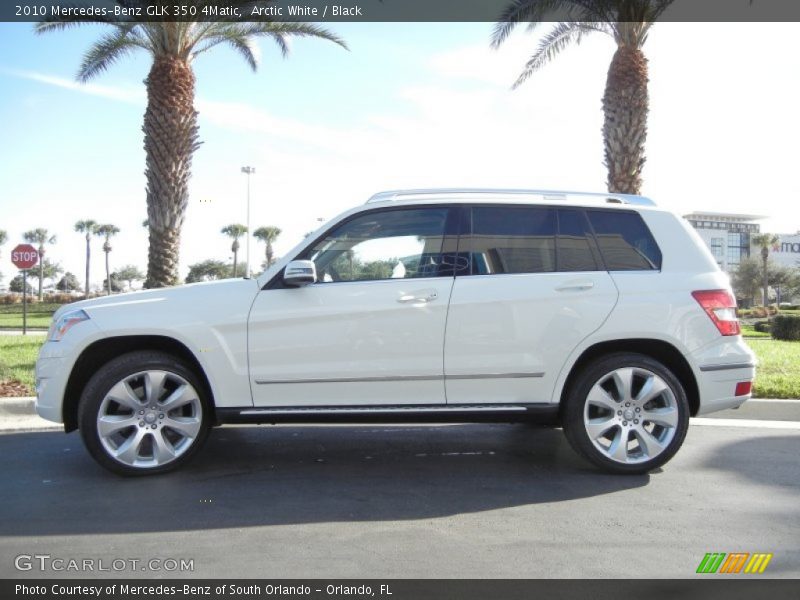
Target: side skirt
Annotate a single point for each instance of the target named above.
(543, 414)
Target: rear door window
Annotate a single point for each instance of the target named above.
(624, 240)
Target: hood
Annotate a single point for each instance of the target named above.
(182, 294)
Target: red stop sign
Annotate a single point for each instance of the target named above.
(24, 256)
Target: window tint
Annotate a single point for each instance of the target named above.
(624, 240)
(394, 244)
(511, 240)
(574, 247)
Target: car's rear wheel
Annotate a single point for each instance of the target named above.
(626, 413)
(143, 412)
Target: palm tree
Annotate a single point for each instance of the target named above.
(268, 235)
(107, 231)
(765, 241)
(170, 119)
(625, 101)
(40, 237)
(87, 227)
(234, 231)
(3, 236)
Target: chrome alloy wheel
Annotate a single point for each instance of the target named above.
(149, 419)
(631, 415)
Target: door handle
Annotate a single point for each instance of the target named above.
(575, 287)
(407, 298)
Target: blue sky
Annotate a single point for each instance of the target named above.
(409, 105)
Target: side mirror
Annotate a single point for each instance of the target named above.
(299, 273)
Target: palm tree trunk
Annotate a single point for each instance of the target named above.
(88, 258)
(235, 256)
(41, 270)
(170, 139)
(765, 259)
(625, 108)
(270, 254)
(108, 278)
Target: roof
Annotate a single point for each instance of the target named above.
(500, 194)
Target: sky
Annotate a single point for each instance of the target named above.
(409, 105)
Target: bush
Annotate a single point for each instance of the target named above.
(786, 327)
(60, 298)
(761, 326)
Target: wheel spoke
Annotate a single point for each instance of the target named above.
(162, 448)
(619, 447)
(666, 417)
(187, 426)
(599, 397)
(649, 444)
(109, 424)
(623, 380)
(597, 427)
(154, 385)
(652, 388)
(128, 451)
(184, 394)
(122, 394)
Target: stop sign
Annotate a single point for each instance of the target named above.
(24, 256)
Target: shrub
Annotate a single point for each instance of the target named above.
(786, 327)
(60, 298)
(761, 326)
(11, 298)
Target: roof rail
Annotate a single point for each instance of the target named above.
(553, 195)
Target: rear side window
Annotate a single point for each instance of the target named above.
(511, 240)
(624, 240)
(575, 248)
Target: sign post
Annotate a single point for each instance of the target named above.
(24, 256)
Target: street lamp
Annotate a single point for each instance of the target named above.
(248, 171)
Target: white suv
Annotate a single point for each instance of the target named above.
(600, 313)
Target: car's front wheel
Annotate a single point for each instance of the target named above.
(143, 412)
(626, 413)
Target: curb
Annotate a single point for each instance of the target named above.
(19, 414)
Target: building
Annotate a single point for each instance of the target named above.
(728, 235)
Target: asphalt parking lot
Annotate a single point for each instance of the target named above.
(450, 501)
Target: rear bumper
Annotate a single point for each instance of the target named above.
(719, 369)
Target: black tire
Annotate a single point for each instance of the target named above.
(132, 368)
(577, 416)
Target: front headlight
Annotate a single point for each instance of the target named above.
(65, 322)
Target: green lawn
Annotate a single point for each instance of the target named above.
(778, 371)
(17, 355)
(749, 332)
(39, 315)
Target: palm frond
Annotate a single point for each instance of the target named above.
(275, 29)
(562, 35)
(532, 12)
(107, 50)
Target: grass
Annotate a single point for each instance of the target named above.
(17, 356)
(778, 374)
(39, 315)
(749, 332)
(778, 370)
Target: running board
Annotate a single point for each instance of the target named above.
(464, 413)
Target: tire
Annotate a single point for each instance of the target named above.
(143, 413)
(631, 397)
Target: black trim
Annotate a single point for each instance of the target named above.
(727, 367)
(543, 414)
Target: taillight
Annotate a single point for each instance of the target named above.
(720, 306)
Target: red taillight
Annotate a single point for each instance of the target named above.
(720, 305)
(743, 388)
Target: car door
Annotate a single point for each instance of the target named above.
(533, 289)
(370, 331)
